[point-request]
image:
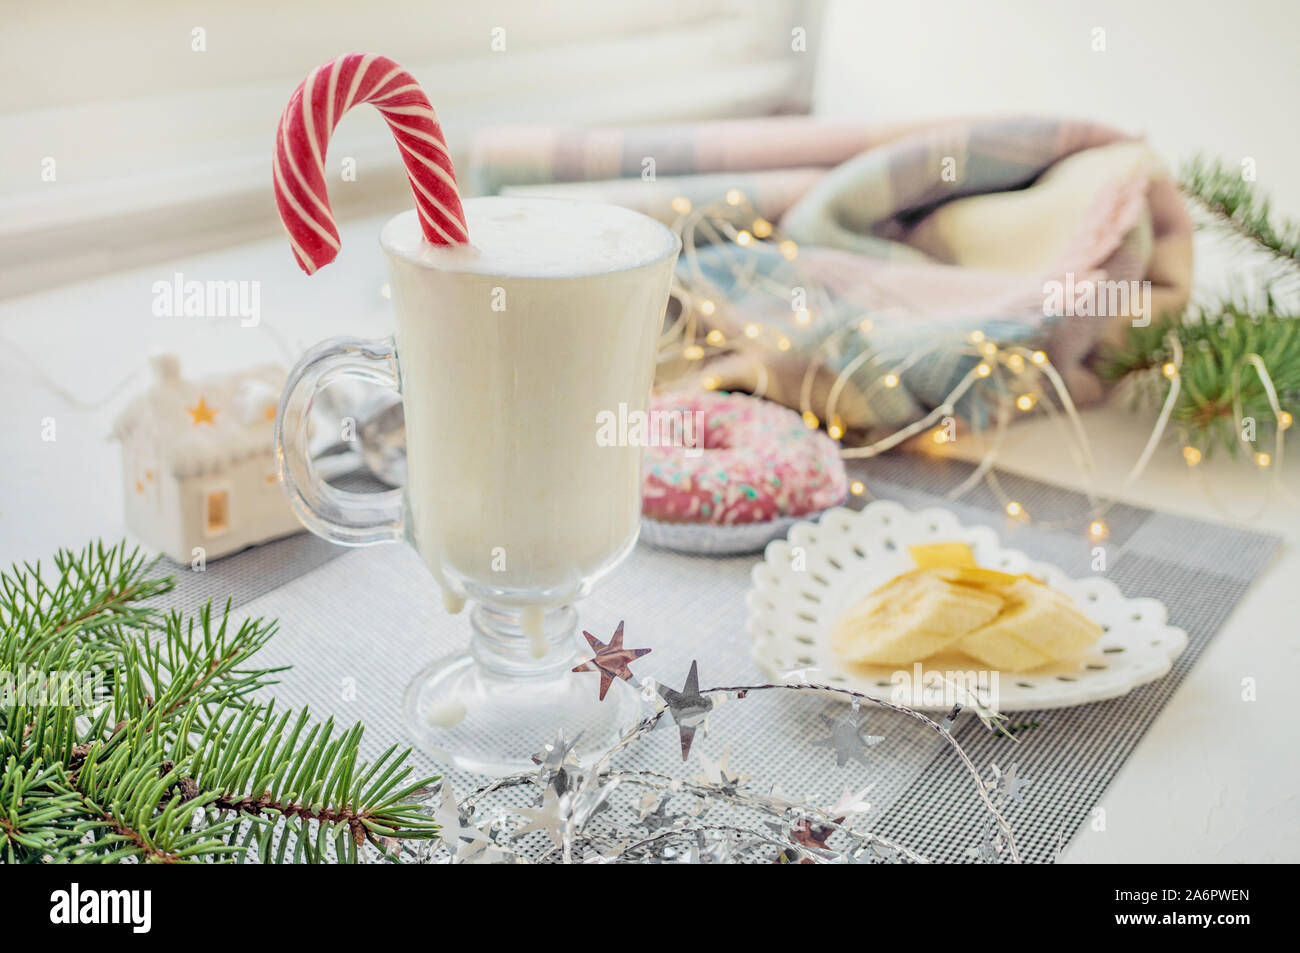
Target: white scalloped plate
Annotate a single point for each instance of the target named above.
(806, 580)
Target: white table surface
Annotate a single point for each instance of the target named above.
(1215, 779)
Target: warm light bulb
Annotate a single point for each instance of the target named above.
(802, 316)
(1098, 530)
(1191, 455)
(1015, 509)
(1169, 370)
(891, 380)
(990, 349)
(810, 419)
(751, 330)
(939, 434)
(715, 337)
(681, 205)
(707, 307)
(744, 238)
(735, 196)
(789, 250)
(693, 353)
(783, 343)
(983, 370)
(835, 432)
(1285, 420)
(857, 487)
(709, 383)
(1016, 362)
(1038, 357)
(977, 337)
(1025, 401)
(761, 228)
(1262, 459)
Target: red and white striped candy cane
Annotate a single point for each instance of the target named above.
(315, 109)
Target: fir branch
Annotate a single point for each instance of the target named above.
(96, 594)
(196, 661)
(35, 813)
(269, 767)
(1217, 336)
(176, 762)
(1215, 340)
(1241, 208)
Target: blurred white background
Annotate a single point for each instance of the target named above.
(160, 116)
(1193, 75)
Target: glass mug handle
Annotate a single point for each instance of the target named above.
(341, 516)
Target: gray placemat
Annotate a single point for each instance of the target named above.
(356, 628)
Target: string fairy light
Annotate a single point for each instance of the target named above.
(734, 228)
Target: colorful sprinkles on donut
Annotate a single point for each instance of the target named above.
(759, 462)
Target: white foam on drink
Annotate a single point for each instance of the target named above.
(537, 238)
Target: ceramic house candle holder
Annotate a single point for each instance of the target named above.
(198, 471)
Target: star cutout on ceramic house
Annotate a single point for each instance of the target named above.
(611, 660)
(202, 413)
(688, 707)
(846, 741)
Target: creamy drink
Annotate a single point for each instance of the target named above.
(522, 325)
(508, 351)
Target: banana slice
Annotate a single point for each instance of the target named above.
(911, 617)
(1038, 625)
(942, 555)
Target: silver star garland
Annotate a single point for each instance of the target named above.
(677, 820)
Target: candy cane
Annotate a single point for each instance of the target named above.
(315, 108)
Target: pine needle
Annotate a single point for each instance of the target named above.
(129, 733)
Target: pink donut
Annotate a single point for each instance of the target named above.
(759, 462)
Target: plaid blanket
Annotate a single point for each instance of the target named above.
(926, 232)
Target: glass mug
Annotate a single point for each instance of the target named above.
(505, 354)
